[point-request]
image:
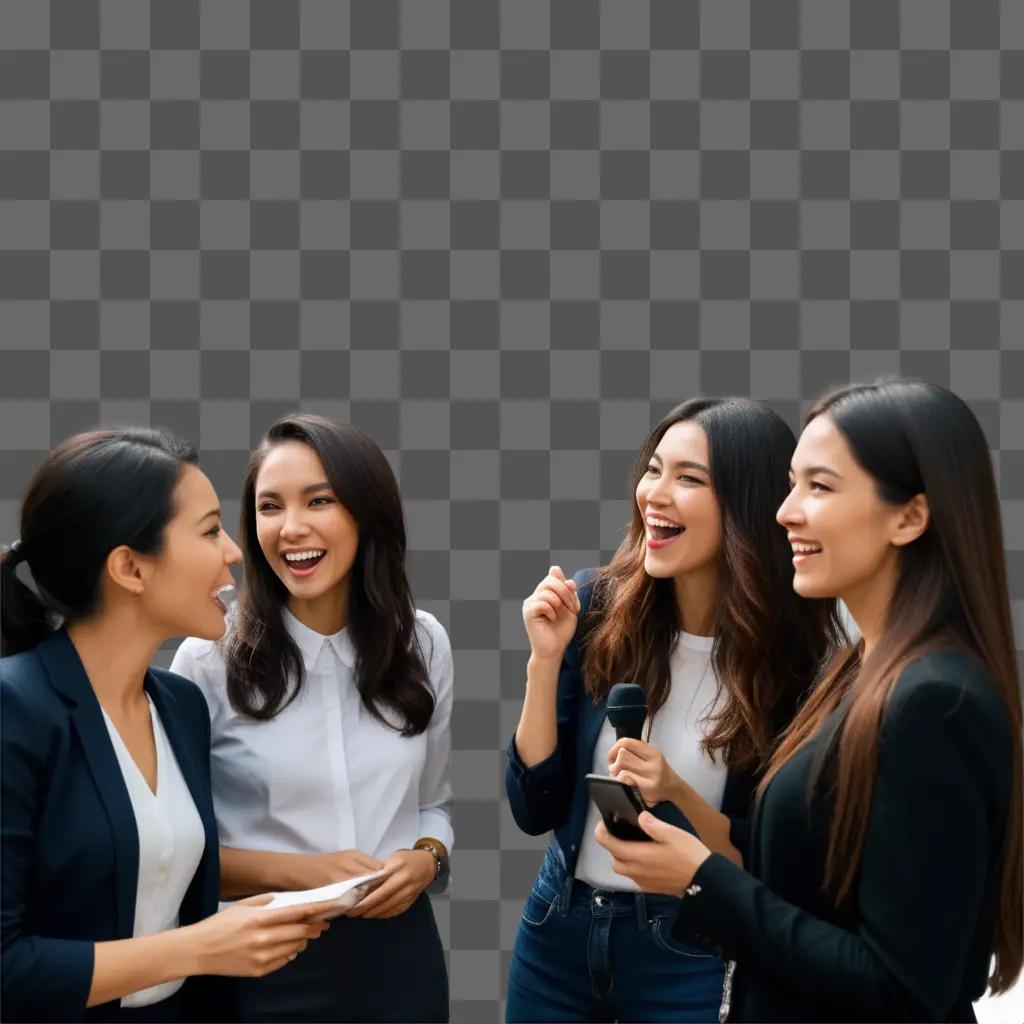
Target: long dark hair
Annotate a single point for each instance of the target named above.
(260, 655)
(770, 645)
(916, 438)
(91, 494)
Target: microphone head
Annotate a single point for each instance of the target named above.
(627, 709)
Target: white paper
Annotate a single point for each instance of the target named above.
(346, 894)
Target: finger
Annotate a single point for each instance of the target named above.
(292, 933)
(658, 830)
(637, 748)
(625, 778)
(556, 571)
(540, 607)
(563, 592)
(364, 860)
(559, 594)
(302, 912)
(380, 895)
(255, 901)
(399, 903)
(283, 952)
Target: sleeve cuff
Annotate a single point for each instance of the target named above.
(544, 775)
(703, 919)
(437, 824)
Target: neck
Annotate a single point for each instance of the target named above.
(116, 650)
(325, 614)
(696, 598)
(869, 603)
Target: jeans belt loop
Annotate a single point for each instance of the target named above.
(641, 910)
(567, 894)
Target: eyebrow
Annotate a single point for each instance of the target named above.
(685, 464)
(812, 470)
(212, 512)
(322, 486)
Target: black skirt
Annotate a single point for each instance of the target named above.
(377, 970)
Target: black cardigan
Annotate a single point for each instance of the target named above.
(915, 939)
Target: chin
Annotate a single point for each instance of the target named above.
(657, 572)
(809, 588)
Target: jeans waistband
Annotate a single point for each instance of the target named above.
(644, 906)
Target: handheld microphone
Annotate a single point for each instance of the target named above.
(627, 709)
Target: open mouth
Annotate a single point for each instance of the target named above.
(302, 564)
(801, 552)
(221, 593)
(660, 532)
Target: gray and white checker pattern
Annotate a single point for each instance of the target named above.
(503, 238)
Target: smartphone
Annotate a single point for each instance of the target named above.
(620, 805)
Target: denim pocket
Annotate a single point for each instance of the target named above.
(539, 904)
(661, 931)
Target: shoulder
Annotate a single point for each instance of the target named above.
(200, 660)
(31, 709)
(433, 638)
(946, 690)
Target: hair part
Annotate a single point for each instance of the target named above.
(265, 672)
(769, 644)
(917, 438)
(94, 492)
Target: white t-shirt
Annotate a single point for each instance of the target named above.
(324, 774)
(171, 844)
(677, 730)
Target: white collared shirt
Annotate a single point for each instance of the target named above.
(171, 844)
(324, 774)
(676, 731)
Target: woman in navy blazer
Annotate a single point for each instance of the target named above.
(121, 532)
(696, 607)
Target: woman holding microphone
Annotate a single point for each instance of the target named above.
(330, 702)
(885, 855)
(109, 848)
(697, 608)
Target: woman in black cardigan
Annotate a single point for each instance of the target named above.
(884, 863)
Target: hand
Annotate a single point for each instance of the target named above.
(409, 872)
(327, 868)
(550, 614)
(643, 765)
(666, 865)
(246, 941)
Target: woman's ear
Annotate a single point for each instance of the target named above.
(127, 570)
(912, 522)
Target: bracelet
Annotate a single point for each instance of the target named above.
(437, 848)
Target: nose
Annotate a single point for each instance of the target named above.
(232, 552)
(790, 511)
(294, 524)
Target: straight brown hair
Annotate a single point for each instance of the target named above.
(916, 438)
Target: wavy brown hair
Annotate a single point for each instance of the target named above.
(264, 666)
(770, 645)
(916, 438)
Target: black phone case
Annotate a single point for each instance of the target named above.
(619, 817)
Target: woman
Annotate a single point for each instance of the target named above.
(885, 857)
(696, 607)
(109, 848)
(330, 702)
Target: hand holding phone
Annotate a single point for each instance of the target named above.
(620, 805)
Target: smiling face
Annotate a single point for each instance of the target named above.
(845, 538)
(183, 582)
(679, 508)
(307, 536)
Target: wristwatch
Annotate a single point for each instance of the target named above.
(441, 865)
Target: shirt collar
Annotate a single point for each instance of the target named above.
(311, 643)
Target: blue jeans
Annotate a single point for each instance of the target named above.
(602, 955)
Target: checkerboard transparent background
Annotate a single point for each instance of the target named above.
(503, 238)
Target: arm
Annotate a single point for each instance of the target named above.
(717, 830)
(922, 877)
(435, 782)
(540, 791)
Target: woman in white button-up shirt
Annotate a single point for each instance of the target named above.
(330, 703)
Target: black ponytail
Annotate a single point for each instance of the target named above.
(92, 493)
(24, 619)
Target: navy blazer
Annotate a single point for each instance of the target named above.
(70, 848)
(552, 794)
